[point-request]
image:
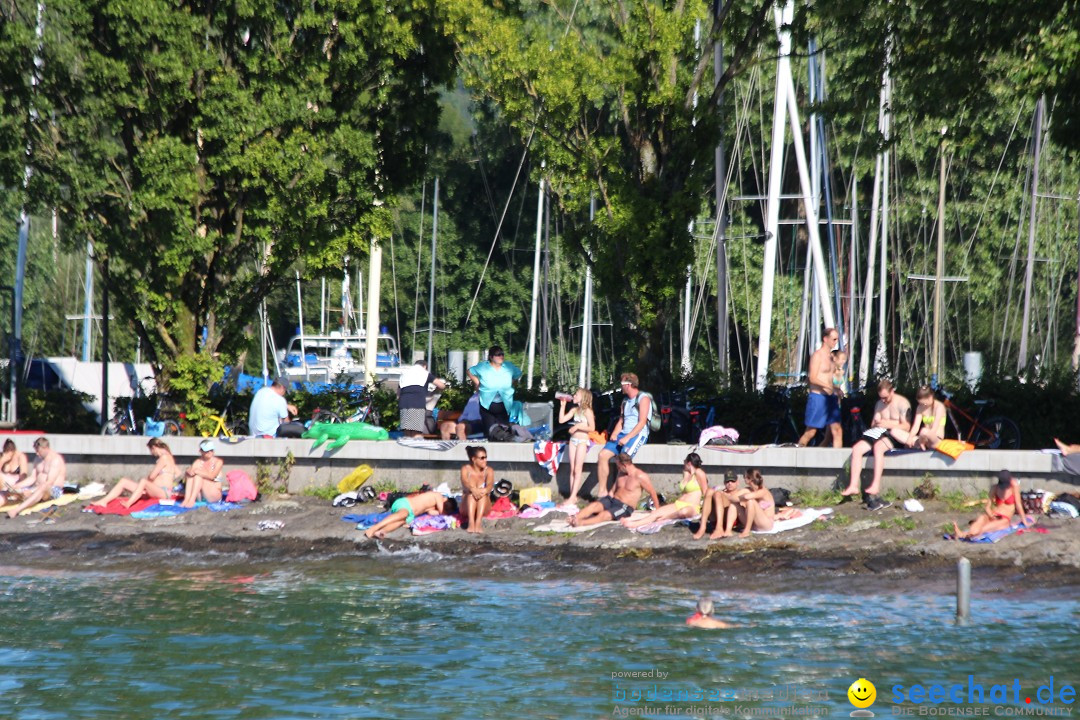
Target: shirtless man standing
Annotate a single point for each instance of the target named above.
(620, 504)
(822, 405)
(49, 474)
(890, 429)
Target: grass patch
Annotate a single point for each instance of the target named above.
(323, 493)
(890, 495)
(808, 497)
(902, 522)
(637, 553)
(831, 521)
(957, 500)
(384, 485)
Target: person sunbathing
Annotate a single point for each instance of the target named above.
(203, 478)
(693, 487)
(628, 486)
(477, 482)
(404, 511)
(14, 469)
(1002, 505)
(158, 483)
(756, 509)
(703, 617)
(1066, 448)
(49, 476)
(722, 502)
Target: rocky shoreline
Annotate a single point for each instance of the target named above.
(889, 551)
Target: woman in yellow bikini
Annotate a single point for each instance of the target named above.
(929, 426)
(692, 489)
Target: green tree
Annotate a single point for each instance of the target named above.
(206, 148)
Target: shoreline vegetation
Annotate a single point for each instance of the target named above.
(889, 551)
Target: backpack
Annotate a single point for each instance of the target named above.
(781, 497)
(240, 487)
(654, 413)
(500, 432)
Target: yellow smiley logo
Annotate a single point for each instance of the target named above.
(862, 693)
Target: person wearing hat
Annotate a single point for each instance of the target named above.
(703, 617)
(269, 410)
(203, 479)
(724, 501)
(1002, 506)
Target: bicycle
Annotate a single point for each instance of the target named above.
(224, 427)
(123, 421)
(362, 403)
(994, 433)
(782, 430)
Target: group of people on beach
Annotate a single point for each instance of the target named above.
(23, 486)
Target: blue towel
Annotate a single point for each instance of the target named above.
(363, 522)
(993, 537)
(156, 511)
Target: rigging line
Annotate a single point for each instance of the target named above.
(483, 175)
(517, 175)
(1006, 341)
(993, 182)
(419, 255)
(498, 228)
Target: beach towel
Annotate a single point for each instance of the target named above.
(993, 537)
(539, 510)
(363, 522)
(808, 516)
(564, 526)
(427, 524)
(502, 508)
(427, 444)
(653, 528)
(727, 436)
(58, 502)
(169, 510)
(549, 455)
(1067, 463)
(116, 506)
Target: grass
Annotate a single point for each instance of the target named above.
(807, 497)
(902, 522)
(957, 500)
(323, 493)
(636, 553)
(834, 520)
(384, 485)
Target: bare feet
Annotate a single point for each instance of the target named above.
(849, 491)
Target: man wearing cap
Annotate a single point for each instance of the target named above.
(724, 500)
(49, 475)
(629, 433)
(202, 481)
(268, 410)
(494, 380)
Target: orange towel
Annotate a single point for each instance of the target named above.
(953, 448)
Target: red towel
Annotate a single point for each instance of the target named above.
(116, 506)
(502, 508)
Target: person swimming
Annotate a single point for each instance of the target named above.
(703, 617)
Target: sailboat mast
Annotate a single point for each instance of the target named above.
(584, 376)
(936, 360)
(431, 286)
(1029, 273)
(535, 283)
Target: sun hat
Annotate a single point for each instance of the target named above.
(206, 445)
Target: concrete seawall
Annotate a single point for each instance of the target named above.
(93, 457)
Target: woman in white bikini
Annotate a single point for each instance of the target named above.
(203, 479)
(157, 484)
(584, 423)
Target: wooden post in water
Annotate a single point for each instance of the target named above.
(963, 591)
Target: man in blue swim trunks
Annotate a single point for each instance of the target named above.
(630, 432)
(822, 404)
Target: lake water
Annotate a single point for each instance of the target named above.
(410, 636)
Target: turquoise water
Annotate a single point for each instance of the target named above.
(410, 638)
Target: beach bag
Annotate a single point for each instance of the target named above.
(1067, 499)
(1035, 502)
(240, 487)
(781, 497)
(654, 412)
(291, 430)
(500, 432)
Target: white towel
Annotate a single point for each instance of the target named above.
(808, 516)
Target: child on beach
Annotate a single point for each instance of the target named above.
(404, 511)
(584, 423)
(839, 373)
(477, 482)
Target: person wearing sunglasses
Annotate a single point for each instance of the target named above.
(630, 432)
(494, 380)
(477, 482)
(723, 501)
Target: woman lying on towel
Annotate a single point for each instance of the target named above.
(157, 484)
(1003, 505)
(756, 509)
(693, 487)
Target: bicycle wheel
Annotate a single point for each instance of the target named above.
(325, 416)
(997, 433)
(767, 434)
(171, 428)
